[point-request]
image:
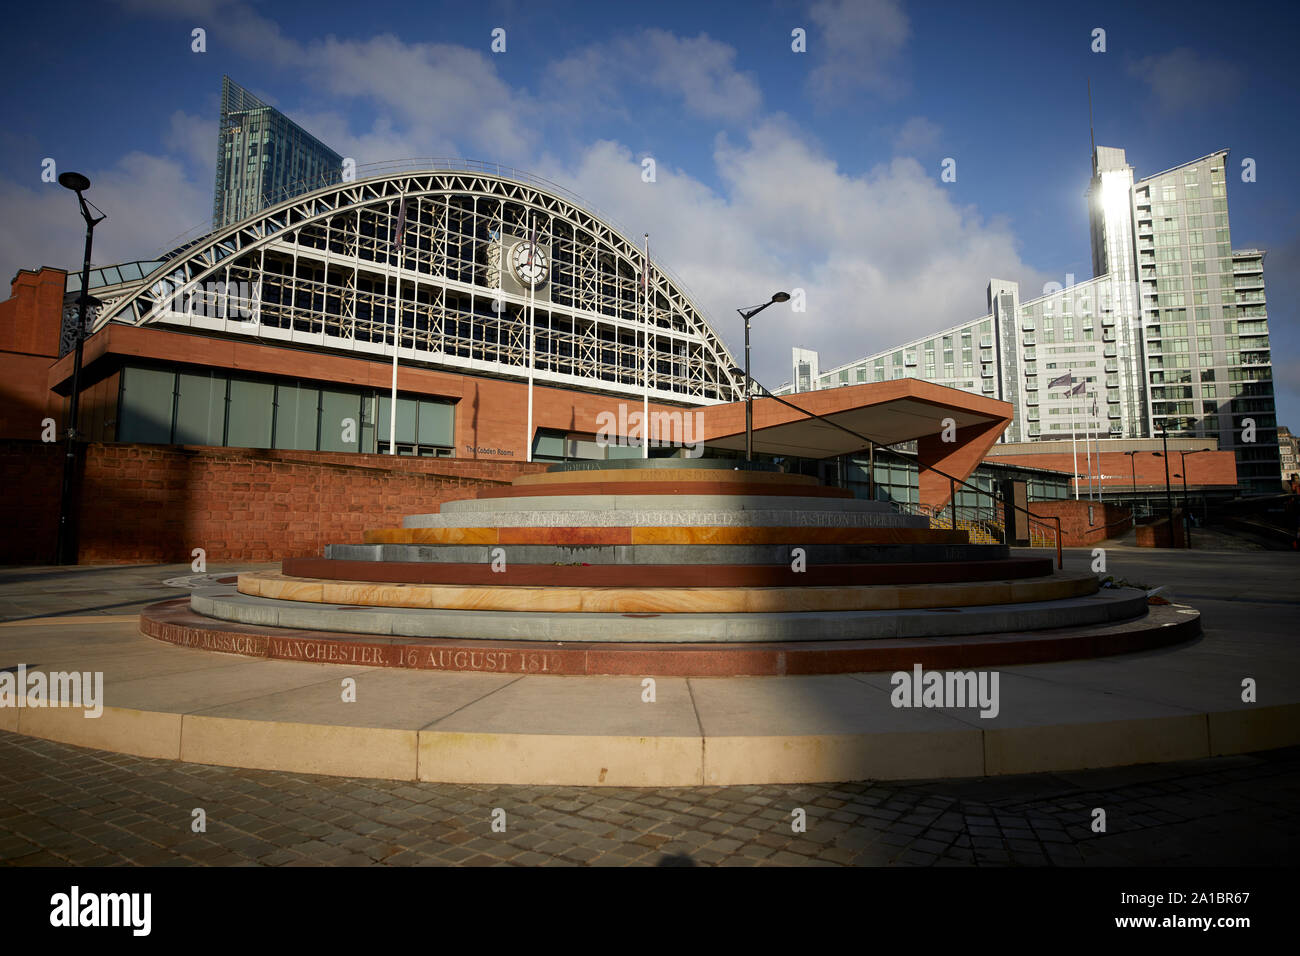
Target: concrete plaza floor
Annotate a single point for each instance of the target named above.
(64, 804)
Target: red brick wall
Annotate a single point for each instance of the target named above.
(1215, 468)
(1156, 534)
(143, 503)
(31, 474)
(29, 343)
(1109, 521)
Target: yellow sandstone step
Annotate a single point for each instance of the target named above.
(702, 600)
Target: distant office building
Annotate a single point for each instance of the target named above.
(805, 370)
(263, 157)
(1170, 334)
(1288, 446)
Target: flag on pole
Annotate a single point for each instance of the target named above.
(401, 222)
(1078, 389)
(1066, 379)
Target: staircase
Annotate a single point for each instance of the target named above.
(981, 525)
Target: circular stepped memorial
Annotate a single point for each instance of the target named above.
(667, 566)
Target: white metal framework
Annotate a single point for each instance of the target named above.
(326, 269)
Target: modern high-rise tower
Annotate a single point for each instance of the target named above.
(1171, 334)
(263, 157)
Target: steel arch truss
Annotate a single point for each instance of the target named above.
(324, 269)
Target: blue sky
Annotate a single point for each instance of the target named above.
(774, 168)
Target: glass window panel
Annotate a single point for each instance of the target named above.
(252, 405)
(549, 446)
(336, 407)
(200, 409)
(296, 414)
(147, 401)
(436, 423)
(406, 411)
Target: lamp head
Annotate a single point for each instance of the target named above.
(74, 181)
(781, 297)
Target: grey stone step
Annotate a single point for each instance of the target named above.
(1105, 606)
(670, 553)
(667, 518)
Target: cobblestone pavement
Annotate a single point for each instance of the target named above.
(62, 805)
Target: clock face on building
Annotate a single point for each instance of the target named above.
(529, 263)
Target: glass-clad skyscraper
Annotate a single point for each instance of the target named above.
(263, 157)
(1170, 334)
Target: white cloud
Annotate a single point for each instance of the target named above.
(431, 86)
(417, 86)
(883, 257)
(148, 199)
(856, 48)
(917, 135)
(1183, 78)
(195, 139)
(699, 72)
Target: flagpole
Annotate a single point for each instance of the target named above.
(397, 310)
(1087, 443)
(532, 288)
(645, 361)
(1097, 439)
(1074, 447)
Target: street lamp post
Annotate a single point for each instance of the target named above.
(1132, 467)
(66, 549)
(1187, 518)
(1169, 495)
(1186, 537)
(749, 392)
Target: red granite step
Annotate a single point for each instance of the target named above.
(667, 575)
